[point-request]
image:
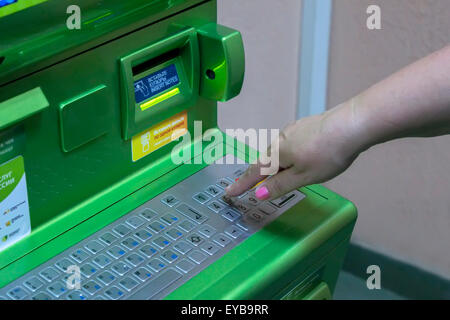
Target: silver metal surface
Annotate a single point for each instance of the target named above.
(157, 247)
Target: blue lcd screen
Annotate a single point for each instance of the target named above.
(6, 2)
(155, 83)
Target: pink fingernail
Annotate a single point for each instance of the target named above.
(262, 193)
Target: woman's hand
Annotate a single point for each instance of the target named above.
(312, 150)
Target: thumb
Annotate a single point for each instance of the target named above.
(279, 184)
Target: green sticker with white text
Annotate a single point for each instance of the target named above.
(14, 208)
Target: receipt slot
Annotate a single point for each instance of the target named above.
(167, 77)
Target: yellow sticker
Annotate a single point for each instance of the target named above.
(158, 136)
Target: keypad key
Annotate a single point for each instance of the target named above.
(221, 239)
(201, 198)
(71, 280)
(64, 264)
(194, 239)
(116, 252)
(102, 260)
(251, 199)
(49, 274)
(142, 274)
(185, 265)
(242, 207)
(223, 183)
(206, 230)
(98, 298)
(134, 259)
(33, 283)
(130, 243)
(148, 251)
(122, 230)
(128, 283)
(143, 234)
(108, 238)
(120, 268)
(230, 214)
(18, 293)
(156, 265)
(182, 247)
(91, 287)
(106, 277)
(254, 218)
(170, 218)
(233, 231)
(57, 289)
(174, 233)
(156, 226)
(191, 213)
(197, 256)
(79, 255)
(41, 296)
(169, 200)
(216, 206)
(210, 248)
(161, 242)
(169, 256)
(243, 225)
(135, 222)
(114, 293)
(76, 295)
(94, 246)
(186, 225)
(283, 200)
(266, 208)
(213, 191)
(148, 214)
(88, 270)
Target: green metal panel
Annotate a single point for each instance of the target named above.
(18, 6)
(61, 198)
(32, 43)
(83, 118)
(21, 107)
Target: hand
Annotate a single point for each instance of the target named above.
(312, 150)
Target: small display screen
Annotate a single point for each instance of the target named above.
(6, 2)
(155, 83)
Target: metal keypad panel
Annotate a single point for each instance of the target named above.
(157, 247)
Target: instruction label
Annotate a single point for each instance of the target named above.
(158, 136)
(14, 208)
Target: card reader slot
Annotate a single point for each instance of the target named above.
(152, 63)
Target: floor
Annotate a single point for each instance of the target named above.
(350, 287)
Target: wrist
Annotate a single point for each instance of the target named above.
(346, 122)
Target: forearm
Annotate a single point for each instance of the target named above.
(414, 102)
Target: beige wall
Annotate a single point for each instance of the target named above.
(271, 34)
(402, 188)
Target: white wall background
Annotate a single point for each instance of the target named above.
(401, 188)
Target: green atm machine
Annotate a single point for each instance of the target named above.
(94, 99)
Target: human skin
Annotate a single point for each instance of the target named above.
(413, 102)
